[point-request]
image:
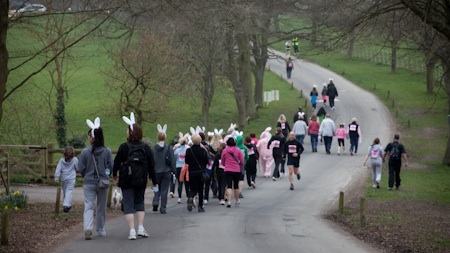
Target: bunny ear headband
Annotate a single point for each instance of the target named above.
(162, 129)
(94, 125)
(130, 121)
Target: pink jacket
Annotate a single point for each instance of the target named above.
(340, 133)
(228, 161)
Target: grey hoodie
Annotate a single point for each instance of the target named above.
(66, 170)
(86, 168)
(159, 159)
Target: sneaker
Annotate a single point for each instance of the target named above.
(228, 204)
(195, 201)
(253, 185)
(155, 208)
(201, 209)
(281, 174)
(66, 209)
(378, 185)
(132, 237)
(222, 202)
(171, 194)
(190, 203)
(298, 176)
(351, 152)
(88, 235)
(274, 179)
(397, 187)
(374, 186)
(163, 212)
(237, 203)
(179, 200)
(241, 196)
(339, 153)
(205, 202)
(142, 233)
(292, 187)
(390, 189)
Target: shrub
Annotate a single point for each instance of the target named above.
(15, 200)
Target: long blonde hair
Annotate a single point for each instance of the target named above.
(282, 118)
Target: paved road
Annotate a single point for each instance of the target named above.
(271, 218)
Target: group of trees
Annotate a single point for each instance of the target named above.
(197, 45)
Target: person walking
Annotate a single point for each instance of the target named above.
(164, 164)
(283, 124)
(180, 155)
(295, 44)
(244, 150)
(332, 93)
(197, 159)
(94, 165)
(66, 170)
(375, 153)
(341, 134)
(133, 188)
(299, 113)
(288, 47)
(250, 165)
(232, 158)
(396, 151)
(327, 130)
(265, 155)
(289, 67)
(313, 132)
(219, 172)
(277, 144)
(354, 134)
(300, 129)
(324, 94)
(314, 94)
(293, 149)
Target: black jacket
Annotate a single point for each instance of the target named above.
(197, 158)
(332, 91)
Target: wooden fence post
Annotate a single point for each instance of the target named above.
(49, 157)
(363, 212)
(5, 228)
(389, 94)
(341, 202)
(58, 199)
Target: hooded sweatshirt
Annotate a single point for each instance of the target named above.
(229, 162)
(67, 170)
(159, 159)
(242, 147)
(86, 167)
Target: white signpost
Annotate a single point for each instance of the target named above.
(273, 95)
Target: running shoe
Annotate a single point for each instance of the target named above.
(142, 233)
(190, 203)
(292, 187)
(253, 185)
(298, 176)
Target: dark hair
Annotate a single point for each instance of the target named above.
(253, 135)
(231, 141)
(248, 139)
(202, 135)
(99, 140)
(69, 153)
(280, 132)
(376, 141)
(397, 136)
(136, 133)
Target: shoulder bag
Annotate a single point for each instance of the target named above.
(102, 183)
(205, 176)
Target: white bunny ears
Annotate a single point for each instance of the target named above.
(219, 132)
(162, 129)
(197, 130)
(130, 121)
(93, 125)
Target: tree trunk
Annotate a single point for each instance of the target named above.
(260, 57)
(430, 65)
(446, 67)
(4, 56)
(207, 93)
(233, 77)
(351, 43)
(245, 78)
(60, 119)
(314, 30)
(394, 45)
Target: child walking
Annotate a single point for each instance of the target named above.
(341, 133)
(314, 95)
(66, 170)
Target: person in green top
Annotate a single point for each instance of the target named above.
(295, 44)
(243, 148)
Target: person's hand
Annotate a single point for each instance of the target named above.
(406, 164)
(295, 154)
(56, 180)
(115, 178)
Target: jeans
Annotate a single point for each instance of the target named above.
(314, 141)
(163, 181)
(394, 173)
(300, 138)
(328, 140)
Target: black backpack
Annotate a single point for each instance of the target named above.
(136, 164)
(395, 153)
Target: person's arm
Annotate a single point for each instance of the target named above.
(118, 160)
(151, 165)
(406, 159)
(58, 170)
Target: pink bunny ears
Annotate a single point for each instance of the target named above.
(130, 121)
(93, 125)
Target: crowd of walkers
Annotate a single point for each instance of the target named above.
(204, 163)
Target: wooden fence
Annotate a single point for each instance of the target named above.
(35, 161)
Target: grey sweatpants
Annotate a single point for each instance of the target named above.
(92, 195)
(163, 181)
(67, 187)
